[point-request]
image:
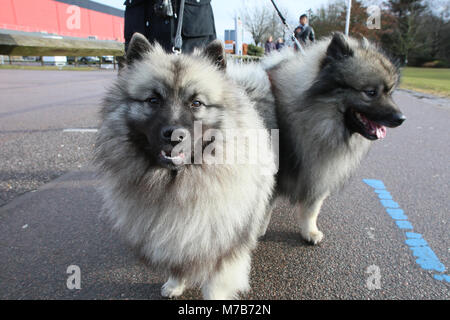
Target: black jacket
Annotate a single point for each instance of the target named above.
(306, 33)
(198, 23)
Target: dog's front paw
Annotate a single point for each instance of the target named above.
(313, 237)
(172, 288)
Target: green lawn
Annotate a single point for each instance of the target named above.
(428, 80)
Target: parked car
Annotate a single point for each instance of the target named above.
(30, 58)
(89, 60)
(55, 60)
(108, 59)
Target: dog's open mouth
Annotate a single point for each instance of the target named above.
(171, 158)
(178, 158)
(369, 129)
(373, 130)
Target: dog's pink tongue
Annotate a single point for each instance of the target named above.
(381, 132)
(377, 129)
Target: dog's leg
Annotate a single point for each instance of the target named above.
(265, 223)
(307, 219)
(267, 216)
(232, 278)
(173, 288)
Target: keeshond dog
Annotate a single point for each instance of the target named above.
(330, 105)
(197, 221)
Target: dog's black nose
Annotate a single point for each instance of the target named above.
(398, 118)
(167, 133)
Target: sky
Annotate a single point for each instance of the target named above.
(224, 10)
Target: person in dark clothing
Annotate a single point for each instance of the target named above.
(269, 45)
(157, 20)
(280, 44)
(304, 32)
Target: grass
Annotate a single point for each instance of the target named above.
(66, 68)
(427, 80)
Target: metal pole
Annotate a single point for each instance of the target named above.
(287, 27)
(347, 20)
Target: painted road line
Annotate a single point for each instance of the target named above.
(426, 258)
(80, 130)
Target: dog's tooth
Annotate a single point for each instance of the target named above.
(360, 118)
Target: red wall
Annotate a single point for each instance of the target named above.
(52, 16)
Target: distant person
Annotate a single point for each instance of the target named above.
(304, 32)
(269, 46)
(280, 44)
(157, 20)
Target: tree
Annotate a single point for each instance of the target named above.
(262, 22)
(435, 32)
(331, 18)
(410, 30)
(407, 25)
(328, 19)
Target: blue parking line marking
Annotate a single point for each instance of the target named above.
(384, 196)
(442, 277)
(416, 242)
(426, 258)
(413, 235)
(397, 214)
(390, 204)
(404, 225)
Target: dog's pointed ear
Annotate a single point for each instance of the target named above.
(138, 47)
(216, 53)
(339, 48)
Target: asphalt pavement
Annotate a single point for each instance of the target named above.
(49, 208)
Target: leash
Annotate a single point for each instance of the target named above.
(286, 25)
(178, 39)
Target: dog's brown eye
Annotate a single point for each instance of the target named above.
(371, 93)
(196, 104)
(153, 100)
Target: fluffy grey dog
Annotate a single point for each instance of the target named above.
(198, 221)
(330, 104)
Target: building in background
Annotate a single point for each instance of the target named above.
(230, 35)
(234, 38)
(69, 18)
(229, 40)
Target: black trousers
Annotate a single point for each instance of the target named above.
(198, 23)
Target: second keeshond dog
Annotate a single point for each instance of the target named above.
(197, 221)
(330, 104)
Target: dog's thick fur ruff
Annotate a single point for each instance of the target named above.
(316, 96)
(198, 224)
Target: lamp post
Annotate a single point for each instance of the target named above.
(347, 20)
